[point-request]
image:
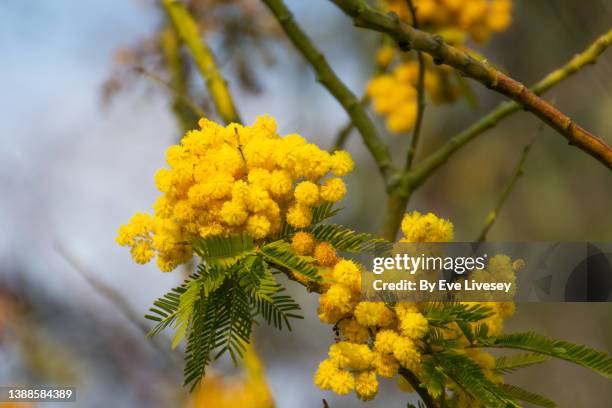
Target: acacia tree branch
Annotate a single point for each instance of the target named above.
(413, 179)
(328, 78)
(204, 60)
(427, 167)
(186, 111)
(408, 37)
(518, 173)
(414, 143)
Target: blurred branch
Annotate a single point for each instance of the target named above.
(518, 173)
(328, 78)
(185, 109)
(204, 59)
(414, 143)
(180, 96)
(116, 299)
(346, 130)
(408, 37)
(426, 167)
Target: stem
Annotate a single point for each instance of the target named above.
(204, 60)
(420, 97)
(180, 98)
(426, 167)
(186, 111)
(328, 78)
(346, 130)
(407, 37)
(396, 206)
(518, 173)
(416, 384)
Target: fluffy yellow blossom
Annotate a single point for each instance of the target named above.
(337, 298)
(373, 314)
(347, 272)
(366, 385)
(413, 325)
(384, 56)
(325, 254)
(327, 370)
(299, 216)
(303, 243)
(307, 193)
(478, 18)
(385, 341)
(353, 331)
(341, 163)
(426, 228)
(405, 351)
(343, 382)
(386, 365)
(333, 190)
(233, 179)
(352, 355)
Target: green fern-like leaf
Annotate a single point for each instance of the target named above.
(509, 364)
(222, 250)
(446, 312)
(433, 378)
(166, 307)
(281, 255)
(185, 311)
(266, 294)
(344, 239)
(598, 361)
(521, 394)
(469, 376)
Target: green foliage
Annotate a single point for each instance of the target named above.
(447, 312)
(509, 364)
(280, 255)
(434, 378)
(598, 361)
(521, 394)
(470, 378)
(223, 251)
(344, 239)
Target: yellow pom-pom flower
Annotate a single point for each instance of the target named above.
(303, 243)
(232, 180)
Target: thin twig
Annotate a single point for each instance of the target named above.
(204, 59)
(184, 98)
(408, 37)
(518, 173)
(116, 299)
(345, 131)
(328, 78)
(414, 143)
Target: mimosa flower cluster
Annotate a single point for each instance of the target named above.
(393, 92)
(233, 179)
(375, 339)
(476, 18)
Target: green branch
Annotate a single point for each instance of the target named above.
(414, 381)
(204, 59)
(414, 143)
(426, 167)
(328, 78)
(410, 38)
(518, 173)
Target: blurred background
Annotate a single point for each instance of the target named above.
(82, 133)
